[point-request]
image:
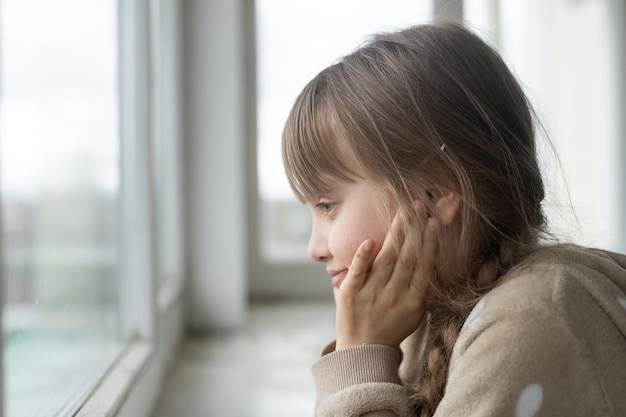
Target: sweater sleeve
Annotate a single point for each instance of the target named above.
(361, 381)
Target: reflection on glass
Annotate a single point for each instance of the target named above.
(59, 161)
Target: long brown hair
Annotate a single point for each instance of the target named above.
(429, 107)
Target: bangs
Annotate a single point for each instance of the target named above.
(314, 148)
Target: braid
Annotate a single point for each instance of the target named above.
(449, 312)
(444, 330)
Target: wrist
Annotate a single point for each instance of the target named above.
(358, 365)
(347, 343)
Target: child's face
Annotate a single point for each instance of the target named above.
(342, 219)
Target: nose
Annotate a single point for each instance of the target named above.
(318, 246)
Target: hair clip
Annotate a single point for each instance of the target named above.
(442, 147)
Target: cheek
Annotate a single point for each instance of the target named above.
(345, 240)
(343, 244)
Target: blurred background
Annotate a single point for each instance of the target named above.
(153, 258)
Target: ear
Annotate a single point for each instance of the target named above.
(447, 207)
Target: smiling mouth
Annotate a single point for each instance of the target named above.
(338, 278)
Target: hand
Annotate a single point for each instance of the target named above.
(387, 304)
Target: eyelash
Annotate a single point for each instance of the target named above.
(326, 207)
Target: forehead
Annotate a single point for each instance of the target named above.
(317, 154)
(326, 181)
(333, 187)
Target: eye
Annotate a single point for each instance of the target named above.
(326, 207)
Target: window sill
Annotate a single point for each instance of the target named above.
(117, 384)
(133, 385)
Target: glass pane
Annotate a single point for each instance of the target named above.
(296, 40)
(59, 161)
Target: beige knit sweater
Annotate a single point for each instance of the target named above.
(550, 341)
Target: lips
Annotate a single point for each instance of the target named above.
(337, 277)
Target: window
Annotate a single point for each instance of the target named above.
(90, 192)
(290, 51)
(60, 196)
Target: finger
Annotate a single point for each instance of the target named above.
(427, 256)
(408, 256)
(406, 261)
(387, 257)
(357, 272)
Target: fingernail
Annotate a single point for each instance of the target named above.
(368, 247)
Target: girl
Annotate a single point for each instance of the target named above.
(417, 157)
